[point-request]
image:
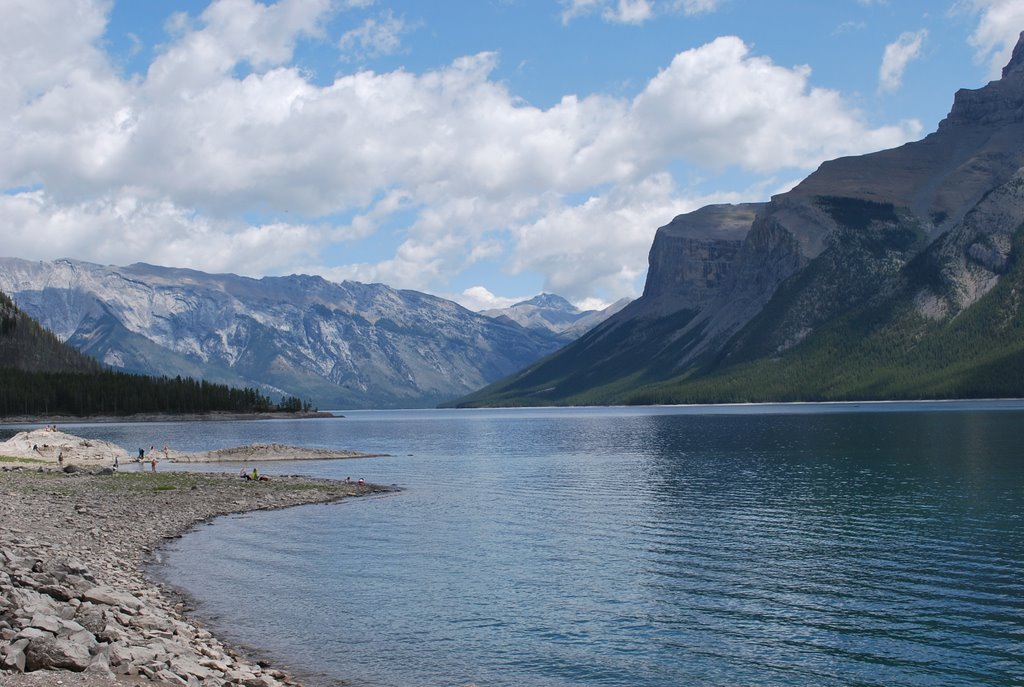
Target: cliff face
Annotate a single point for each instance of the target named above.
(887, 242)
(346, 345)
(692, 255)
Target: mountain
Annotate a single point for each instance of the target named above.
(549, 312)
(890, 275)
(346, 345)
(28, 347)
(42, 376)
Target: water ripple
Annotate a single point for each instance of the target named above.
(570, 548)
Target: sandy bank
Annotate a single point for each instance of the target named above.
(260, 452)
(75, 603)
(54, 447)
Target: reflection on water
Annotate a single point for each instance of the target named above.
(790, 546)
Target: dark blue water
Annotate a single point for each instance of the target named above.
(804, 545)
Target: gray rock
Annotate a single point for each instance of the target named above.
(92, 619)
(45, 622)
(170, 678)
(111, 597)
(185, 666)
(48, 653)
(57, 592)
(100, 664)
(14, 655)
(32, 633)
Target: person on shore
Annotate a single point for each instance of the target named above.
(152, 461)
(60, 459)
(255, 475)
(115, 463)
(243, 473)
(142, 455)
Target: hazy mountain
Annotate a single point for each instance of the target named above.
(555, 314)
(890, 275)
(347, 345)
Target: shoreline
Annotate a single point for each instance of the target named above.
(79, 600)
(214, 416)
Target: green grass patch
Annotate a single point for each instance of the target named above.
(13, 459)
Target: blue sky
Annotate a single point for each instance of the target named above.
(483, 151)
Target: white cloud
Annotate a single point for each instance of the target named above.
(162, 167)
(477, 298)
(692, 7)
(999, 27)
(579, 8)
(634, 11)
(718, 106)
(629, 12)
(898, 55)
(374, 38)
(122, 229)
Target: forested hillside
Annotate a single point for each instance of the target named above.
(39, 375)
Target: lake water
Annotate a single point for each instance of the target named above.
(769, 545)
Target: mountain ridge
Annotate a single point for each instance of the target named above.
(344, 345)
(906, 240)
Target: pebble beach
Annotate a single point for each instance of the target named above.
(76, 604)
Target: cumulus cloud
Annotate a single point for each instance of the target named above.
(122, 229)
(898, 55)
(720, 106)
(164, 167)
(999, 25)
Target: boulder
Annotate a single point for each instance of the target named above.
(111, 597)
(49, 653)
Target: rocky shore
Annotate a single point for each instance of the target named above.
(74, 597)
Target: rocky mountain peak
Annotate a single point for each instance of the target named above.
(996, 104)
(1016, 63)
(550, 301)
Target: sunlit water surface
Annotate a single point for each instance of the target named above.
(772, 545)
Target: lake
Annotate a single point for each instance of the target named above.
(851, 544)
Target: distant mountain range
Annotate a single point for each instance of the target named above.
(347, 345)
(555, 314)
(891, 275)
